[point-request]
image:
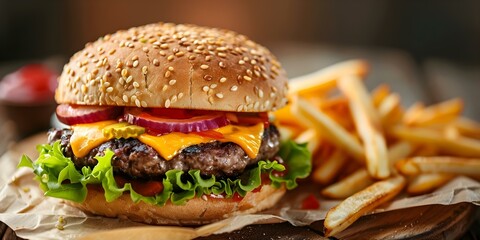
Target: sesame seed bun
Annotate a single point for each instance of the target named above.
(196, 211)
(175, 66)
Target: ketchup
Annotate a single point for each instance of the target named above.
(31, 84)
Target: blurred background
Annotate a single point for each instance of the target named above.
(426, 50)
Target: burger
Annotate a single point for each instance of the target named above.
(169, 124)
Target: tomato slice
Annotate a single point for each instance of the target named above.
(144, 188)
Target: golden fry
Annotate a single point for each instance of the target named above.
(449, 165)
(379, 94)
(368, 125)
(460, 146)
(326, 78)
(440, 113)
(352, 208)
(329, 129)
(349, 185)
(427, 182)
(329, 168)
(311, 138)
(468, 127)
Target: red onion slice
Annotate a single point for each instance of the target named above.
(76, 114)
(162, 125)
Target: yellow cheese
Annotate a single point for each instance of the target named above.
(85, 137)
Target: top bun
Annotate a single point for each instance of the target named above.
(175, 66)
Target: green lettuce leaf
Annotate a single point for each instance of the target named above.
(59, 178)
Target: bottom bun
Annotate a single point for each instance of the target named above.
(196, 211)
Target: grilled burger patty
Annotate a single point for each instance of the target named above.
(137, 160)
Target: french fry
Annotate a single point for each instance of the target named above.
(449, 165)
(379, 94)
(326, 78)
(427, 182)
(368, 125)
(355, 206)
(468, 127)
(426, 151)
(330, 167)
(288, 132)
(389, 109)
(443, 112)
(329, 129)
(460, 146)
(399, 150)
(349, 185)
(413, 112)
(311, 138)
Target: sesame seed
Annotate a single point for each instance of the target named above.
(124, 72)
(180, 95)
(136, 85)
(172, 82)
(221, 64)
(219, 95)
(210, 100)
(135, 63)
(164, 88)
(144, 70)
(213, 86)
(156, 62)
(112, 51)
(204, 67)
(134, 58)
(205, 88)
(125, 98)
(129, 79)
(221, 49)
(129, 64)
(84, 88)
(241, 62)
(191, 57)
(144, 104)
(137, 102)
(145, 49)
(249, 72)
(163, 53)
(221, 54)
(168, 74)
(133, 98)
(179, 54)
(170, 58)
(223, 79)
(208, 58)
(167, 103)
(173, 98)
(253, 62)
(239, 108)
(234, 88)
(170, 68)
(208, 77)
(175, 50)
(260, 93)
(247, 78)
(110, 89)
(164, 46)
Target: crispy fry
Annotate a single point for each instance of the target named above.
(352, 208)
(326, 78)
(468, 127)
(330, 167)
(288, 132)
(449, 165)
(329, 129)
(390, 110)
(349, 185)
(443, 112)
(412, 112)
(379, 94)
(311, 138)
(399, 150)
(427, 182)
(460, 146)
(368, 125)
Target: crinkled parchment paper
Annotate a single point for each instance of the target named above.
(32, 216)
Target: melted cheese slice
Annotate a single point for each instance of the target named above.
(85, 137)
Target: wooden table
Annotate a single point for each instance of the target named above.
(429, 82)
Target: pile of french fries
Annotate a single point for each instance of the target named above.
(367, 148)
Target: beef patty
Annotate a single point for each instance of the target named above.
(137, 160)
